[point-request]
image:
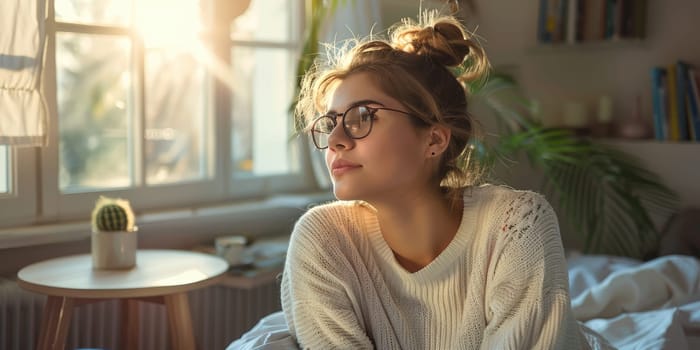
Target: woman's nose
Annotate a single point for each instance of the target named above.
(339, 139)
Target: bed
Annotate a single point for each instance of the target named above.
(633, 304)
(638, 305)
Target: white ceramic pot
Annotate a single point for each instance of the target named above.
(114, 250)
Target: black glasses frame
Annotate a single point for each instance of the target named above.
(334, 120)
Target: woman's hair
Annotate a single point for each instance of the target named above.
(427, 66)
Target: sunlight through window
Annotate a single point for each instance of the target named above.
(169, 24)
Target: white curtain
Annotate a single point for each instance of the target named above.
(352, 19)
(22, 107)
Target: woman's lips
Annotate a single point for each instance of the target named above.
(340, 167)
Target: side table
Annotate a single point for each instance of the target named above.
(160, 276)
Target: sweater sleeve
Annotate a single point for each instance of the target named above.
(319, 306)
(527, 297)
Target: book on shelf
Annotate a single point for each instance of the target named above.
(543, 34)
(658, 99)
(610, 19)
(593, 26)
(574, 21)
(693, 98)
(673, 121)
(676, 102)
(682, 99)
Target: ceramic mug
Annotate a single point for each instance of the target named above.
(231, 248)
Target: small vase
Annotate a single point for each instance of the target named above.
(635, 127)
(114, 250)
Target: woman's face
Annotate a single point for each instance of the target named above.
(390, 161)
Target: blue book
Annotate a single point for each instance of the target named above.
(658, 99)
(610, 17)
(543, 34)
(681, 88)
(694, 104)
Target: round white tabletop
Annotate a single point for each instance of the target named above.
(157, 272)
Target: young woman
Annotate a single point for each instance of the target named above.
(417, 254)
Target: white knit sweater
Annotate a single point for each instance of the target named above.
(501, 283)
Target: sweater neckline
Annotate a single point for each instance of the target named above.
(445, 260)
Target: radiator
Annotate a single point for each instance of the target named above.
(220, 314)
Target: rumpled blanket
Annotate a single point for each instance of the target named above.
(638, 305)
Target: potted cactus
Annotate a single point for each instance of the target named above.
(114, 235)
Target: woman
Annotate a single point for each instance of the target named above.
(416, 254)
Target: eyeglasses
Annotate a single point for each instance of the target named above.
(357, 123)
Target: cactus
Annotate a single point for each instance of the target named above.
(112, 214)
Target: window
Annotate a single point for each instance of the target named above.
(264, 63)
(153, 101)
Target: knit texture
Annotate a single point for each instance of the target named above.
(501, 283)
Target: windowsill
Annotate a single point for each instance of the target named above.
(254, 217)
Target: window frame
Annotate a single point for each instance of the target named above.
(19, 205)
(38, 199)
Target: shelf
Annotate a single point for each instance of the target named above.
(650, 142)
(589, 46)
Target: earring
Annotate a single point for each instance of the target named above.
(432, 153)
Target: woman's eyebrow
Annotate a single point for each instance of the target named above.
(358, 103)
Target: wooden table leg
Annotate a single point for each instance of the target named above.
(181, 334)
(55, 321)
(130, 324)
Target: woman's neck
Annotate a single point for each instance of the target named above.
(418, 227)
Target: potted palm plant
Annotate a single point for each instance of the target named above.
(607, 198)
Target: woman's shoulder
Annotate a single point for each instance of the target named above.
(336, 218)
(512, 210)
(334, 212)
(505, 198)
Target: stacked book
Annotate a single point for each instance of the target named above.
(572, 21)
(676, 102)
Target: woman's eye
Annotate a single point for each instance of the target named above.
(328, 126)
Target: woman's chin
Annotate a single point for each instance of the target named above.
(339, 195)
(345, 194)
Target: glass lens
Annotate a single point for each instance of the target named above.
(176, 117)
(324, 125)
(321, 129)
(93, 74)
(260, 118)
(358, 121)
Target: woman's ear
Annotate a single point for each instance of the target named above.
(438, 140)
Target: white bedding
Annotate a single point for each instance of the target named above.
(633, 304)
(636, 305)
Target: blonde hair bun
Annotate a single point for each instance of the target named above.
(443, 42)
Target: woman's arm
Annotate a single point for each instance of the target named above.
(527, 297)
(319, 306)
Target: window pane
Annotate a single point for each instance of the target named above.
(105, 12)
(4, 170)
(265, 20)
(94, 89)
(169, 23)
(176, 117)
(261, 120)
